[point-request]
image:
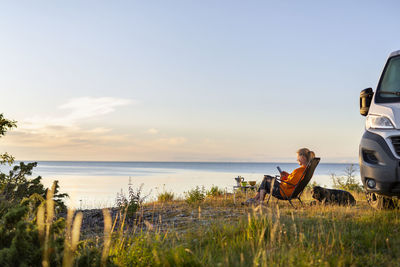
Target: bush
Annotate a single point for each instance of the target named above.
(89, 254)
(165, 196)
(195, 195)
(22, 240)
(348, 181)
(15, 186)
(131, 203)
(215, 191)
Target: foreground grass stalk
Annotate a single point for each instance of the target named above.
(67, 258)
(48, 223)
(72, 234)
(76, 228)
(40, 220)
(107, 237)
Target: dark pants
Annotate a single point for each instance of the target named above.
(266, 185)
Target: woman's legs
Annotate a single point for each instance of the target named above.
(269, 186)
(264, 188)
(257, 196)
(262, 194)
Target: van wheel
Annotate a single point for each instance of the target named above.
(380, 202)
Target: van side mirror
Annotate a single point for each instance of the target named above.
(365, 100)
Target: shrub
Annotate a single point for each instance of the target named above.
(348, 181)
(165, 196)
(89, 254)
(131, 203)
(22, 239)
(195, 195)
(215, 191)
(15, 186)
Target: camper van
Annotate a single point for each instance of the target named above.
(379, 153)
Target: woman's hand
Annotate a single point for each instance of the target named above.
(284, 175)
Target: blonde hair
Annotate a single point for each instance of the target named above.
(308, 154)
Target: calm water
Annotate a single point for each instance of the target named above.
(95, 184)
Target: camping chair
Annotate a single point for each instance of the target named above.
(301, 184)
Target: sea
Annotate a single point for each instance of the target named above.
(93, 184)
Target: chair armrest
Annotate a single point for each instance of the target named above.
(282, 181)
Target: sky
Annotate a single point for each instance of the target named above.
(190, 80)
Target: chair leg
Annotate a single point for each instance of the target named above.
(271, 189)
(301, 202)
(292, 204)
(268, 198)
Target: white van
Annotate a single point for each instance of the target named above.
(380, 145)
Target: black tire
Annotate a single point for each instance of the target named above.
(380, 202)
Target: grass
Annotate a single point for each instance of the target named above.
(165, 196)
(273, 235)
(215, 232)
(214, 191)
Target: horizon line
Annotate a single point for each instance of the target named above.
(146, 161)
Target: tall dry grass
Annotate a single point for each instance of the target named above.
(72, 234)
(274, 234)
(45, 215)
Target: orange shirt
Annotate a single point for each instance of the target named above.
(293, 178)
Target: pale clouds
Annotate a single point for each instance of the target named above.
(77, 109)
(152, 131)
(69, 129)
(75, 134)
(87, 107)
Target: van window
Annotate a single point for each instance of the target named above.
(389, 86)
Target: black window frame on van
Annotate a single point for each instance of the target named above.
(378, 97)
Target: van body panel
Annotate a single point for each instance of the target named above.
(385, 171)
(386, 136)
(390, 110)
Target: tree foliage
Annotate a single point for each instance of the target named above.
(15, 187)
(6, 125)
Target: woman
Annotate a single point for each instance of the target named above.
(283, 190)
